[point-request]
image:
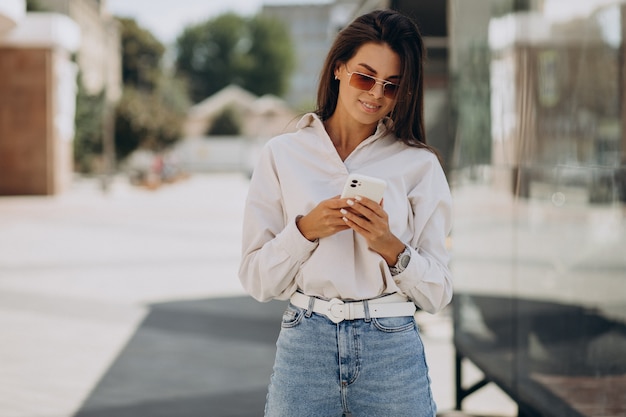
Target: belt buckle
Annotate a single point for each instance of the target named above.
(335, 310)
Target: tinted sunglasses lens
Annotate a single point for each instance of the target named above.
(365, 82)
(390, 90)
(362, 81)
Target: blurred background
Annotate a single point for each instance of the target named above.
(128, 133)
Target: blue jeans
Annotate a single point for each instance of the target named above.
(360, 368)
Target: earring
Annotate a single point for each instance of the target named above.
(336, 78)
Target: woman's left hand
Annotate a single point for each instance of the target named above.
(371, 221)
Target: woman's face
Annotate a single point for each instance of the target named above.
(368, 106)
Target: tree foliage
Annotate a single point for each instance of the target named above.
(141, 56)
(89, 124)
(151, 111)
(255, 53)
(34, 6)
(148, 119)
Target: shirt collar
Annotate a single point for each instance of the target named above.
(312, 120)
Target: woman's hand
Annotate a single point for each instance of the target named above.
(324, 220)
(371, 221)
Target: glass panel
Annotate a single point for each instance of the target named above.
(539, 180)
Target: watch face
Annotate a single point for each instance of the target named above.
(404, 260)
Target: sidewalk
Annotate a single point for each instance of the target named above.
(128, 304)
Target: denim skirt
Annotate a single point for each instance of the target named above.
(360, 368)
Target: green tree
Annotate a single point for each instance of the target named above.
(88, 135)
(141, 56)
(150, 120)
(271, 57)
(34, 6)
(254, 53)
(151, 111)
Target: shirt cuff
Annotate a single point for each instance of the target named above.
(294, 242)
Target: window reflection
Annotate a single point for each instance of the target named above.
(539, 180)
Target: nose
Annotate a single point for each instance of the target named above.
(378, 89)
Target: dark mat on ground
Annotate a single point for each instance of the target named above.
(199, 358)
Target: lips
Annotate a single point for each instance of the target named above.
(370, 107)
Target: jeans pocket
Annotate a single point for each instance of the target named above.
(394, 324)
(292, 316)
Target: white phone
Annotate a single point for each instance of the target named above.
(363, 185)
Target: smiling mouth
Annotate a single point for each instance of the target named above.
(370, 106)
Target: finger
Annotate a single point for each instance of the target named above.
(352, 221)
(360, 226)
(355, 220)
(361, 209)
(370, 204)
(365, 201)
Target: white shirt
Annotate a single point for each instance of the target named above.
(298, 170)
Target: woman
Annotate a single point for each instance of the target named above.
(353, 269)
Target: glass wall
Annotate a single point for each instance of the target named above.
(538, 174)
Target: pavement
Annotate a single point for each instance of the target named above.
(127, 303)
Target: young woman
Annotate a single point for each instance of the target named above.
(353, 269)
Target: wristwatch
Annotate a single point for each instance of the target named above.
(401, 263)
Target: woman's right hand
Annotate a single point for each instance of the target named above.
(324, 220)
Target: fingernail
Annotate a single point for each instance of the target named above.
(343, 211)
(345, 220)
(357, 198)
(350, 202)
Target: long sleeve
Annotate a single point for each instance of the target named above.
(427, 279)
(273, 248)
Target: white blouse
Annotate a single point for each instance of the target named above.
(298, 170)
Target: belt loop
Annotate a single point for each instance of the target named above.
(366, 310)
(309, 310)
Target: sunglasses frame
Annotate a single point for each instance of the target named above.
(384, 83)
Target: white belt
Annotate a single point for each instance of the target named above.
(394, 305)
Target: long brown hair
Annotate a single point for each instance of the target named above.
(404, 38)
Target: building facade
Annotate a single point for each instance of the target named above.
(99, 55)
(539, 186)
(43, 54)
(37, 99)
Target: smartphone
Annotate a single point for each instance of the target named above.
(363, 185)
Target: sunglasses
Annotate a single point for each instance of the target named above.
(367, 82)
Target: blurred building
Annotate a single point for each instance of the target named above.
(258, 119)
(37, 99)
(538, 183)
(551, 110)
(310, 28)
(99, 60)
(99, 55)
(42, 55)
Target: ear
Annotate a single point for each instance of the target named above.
(337, 70)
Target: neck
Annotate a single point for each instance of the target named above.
(345, 135)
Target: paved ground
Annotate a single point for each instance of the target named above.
(127, 304)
